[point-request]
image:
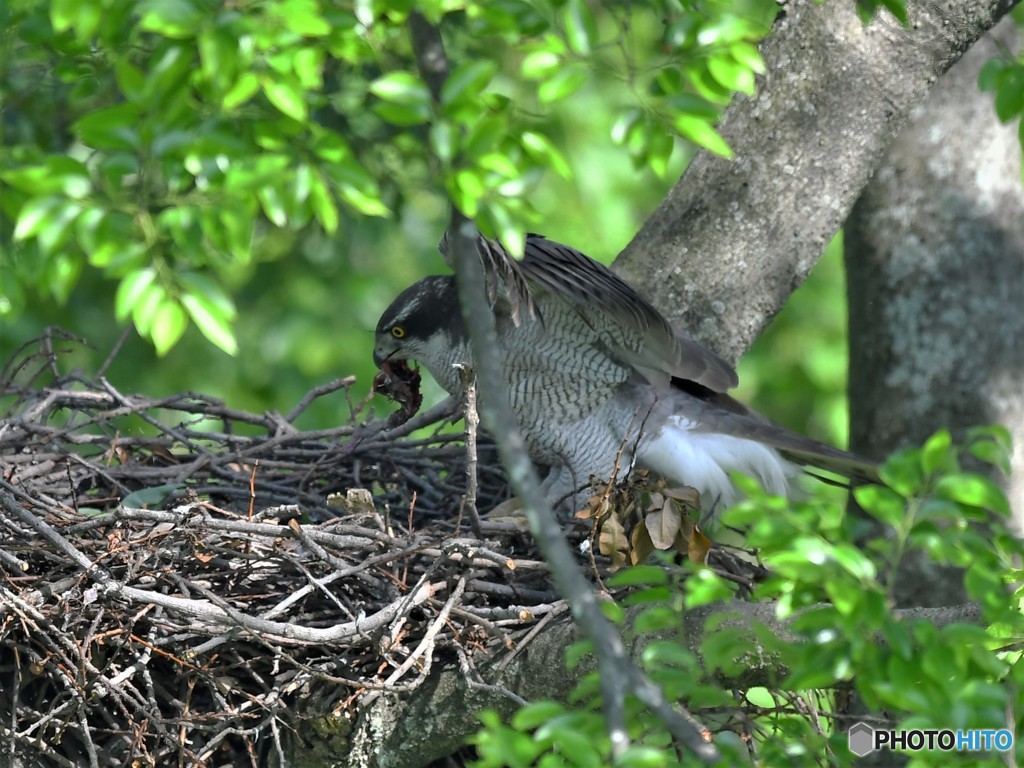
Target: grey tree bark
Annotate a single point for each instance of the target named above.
(407, 731)
(734, 238)
(935, 259)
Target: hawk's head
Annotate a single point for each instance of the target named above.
(424, 323)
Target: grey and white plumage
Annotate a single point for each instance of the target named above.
(594, 370)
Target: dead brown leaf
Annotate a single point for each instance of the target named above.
(612, 541)
(642, 546)
(663, 525)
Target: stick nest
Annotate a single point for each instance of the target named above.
(185, 583)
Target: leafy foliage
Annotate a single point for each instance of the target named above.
(1004, 77)
(837, 598)
(178, 135)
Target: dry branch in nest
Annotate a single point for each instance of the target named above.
(185, 583)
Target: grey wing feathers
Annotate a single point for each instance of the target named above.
(649, 343)
(504, 276)
(631, 328)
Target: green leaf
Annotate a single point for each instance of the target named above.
(273, 205)
(578, 651)
(902, 472)
(218, 56)
(144, 310)
(58, 224)
(212, 294)
(443, 140)
(55, 173)
(170, 18)
(659, 150)
(625, 125)
(61, 274)
(322, 202)
(538, 65)
(287, 96)
(705, 587)
(991, 74)
(303, 18)
(937, 452)
(468, 80)
(696, 106)
(705, 84)
(213, 326)
(401, 88)
(535, 714)
(997, 433)
(669, 652)
(543, 151)
(166, 77)
(898, 9)
(700, 132)
(169, 323)
(239, 222)
(247, 86)
(724, 28)
(35, 215)
(854, 562)
(562, 84)
(580, 26)
(485, 135)
(726, 648)
(1010, 96)
(571, 733)
(130, 290)
(731, 74)
(110, 128)
(992, 453)
(403, 115)
(466, 188)
(973, 490)
(748, 55)
(641, 756)
(882, 503)
(655, 619)
(82, 16)
(639, 575)
(363, 200)
(508, 232)
(308, 66)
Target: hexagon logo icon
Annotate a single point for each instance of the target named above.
(861, 738)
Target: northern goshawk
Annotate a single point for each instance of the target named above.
(595, 373)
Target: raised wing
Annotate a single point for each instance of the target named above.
(634, 330)
(630, 328)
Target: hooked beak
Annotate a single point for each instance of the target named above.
(383, 350)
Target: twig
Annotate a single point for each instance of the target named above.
(313, 394)
(425, 646)
(472, 419)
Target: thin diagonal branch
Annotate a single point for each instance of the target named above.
(619, 675)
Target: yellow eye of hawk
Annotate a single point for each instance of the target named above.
(397, 331)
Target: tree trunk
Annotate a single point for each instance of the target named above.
(735, 237)
(935, 257)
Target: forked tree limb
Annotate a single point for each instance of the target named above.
(734, 238)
